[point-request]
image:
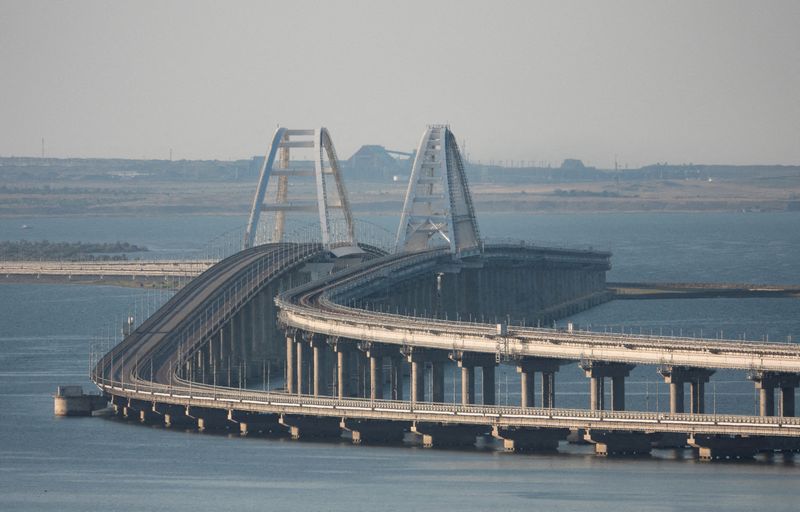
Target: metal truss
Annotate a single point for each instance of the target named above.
(438, 205)
(279, 171)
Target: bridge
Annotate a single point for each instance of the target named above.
(303, 338)
(101, 270)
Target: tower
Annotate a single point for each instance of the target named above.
(438, 205)
(279, 171)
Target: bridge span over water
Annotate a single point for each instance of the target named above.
(312, 340)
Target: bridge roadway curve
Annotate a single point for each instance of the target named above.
(143, 367)
(319, 307)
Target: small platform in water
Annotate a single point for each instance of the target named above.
(71, 401)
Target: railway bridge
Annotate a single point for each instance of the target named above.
(317, 339)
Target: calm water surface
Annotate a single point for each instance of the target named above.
(103, 464)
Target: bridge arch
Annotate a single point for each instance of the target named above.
(279, 172)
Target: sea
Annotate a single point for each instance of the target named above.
(77, 464)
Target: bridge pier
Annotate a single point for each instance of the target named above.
(311, 427)
(375, 431)
(598, 371)
(608, 443)
(319, 347)
(417, 358)
(467, 361)
(252, 423)
(375, 353)
(444, 435)
(290, 365)
(527, 368)
(208, 419)
(300, 350)
(342, 350)
(711, 447)
(519, 439)
(174, 415)
(396, 377)
(766, 383)
(676, 376)
(467, 384)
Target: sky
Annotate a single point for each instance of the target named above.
(531, 81)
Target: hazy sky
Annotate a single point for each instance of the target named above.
(694, 81)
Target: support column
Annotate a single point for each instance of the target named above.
(488, 384)
(596, 393)
(318, 347)
(467, 385)
(417, 380)
(676, 376)
(787, 401)
(467, 361)
(396, 377)
(290, 352)
(376, 377)
(676, 397)
(437, 376)
(598, 371)
(697, 394)
(549, 389)
(527, 384)
(302, 387)
(618, 393)
(766, 382)
(527, 368)
(342, 377)
(418, 358)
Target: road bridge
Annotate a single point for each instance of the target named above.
(99, 270)
(322, 331)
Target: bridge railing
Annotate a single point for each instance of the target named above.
(227, 398)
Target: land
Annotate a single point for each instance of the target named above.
(31, 187)
(24, 250)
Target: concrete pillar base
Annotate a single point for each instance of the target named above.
(529, 439)
(208, 419)
(375, 432)
(441, 435)
(248, 423)
(309, 427)
(577, 436)
(619, 443)
(172, 415)
(714, 447)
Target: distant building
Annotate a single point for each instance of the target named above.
(375, 163)
(572, 164)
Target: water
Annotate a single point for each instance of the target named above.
(48, 463)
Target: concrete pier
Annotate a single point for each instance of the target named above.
(518, 439)
(71, 401)
(248, 423)
(711, 447)
(608, 443)
(342, 349)
(319, 382)
(527, 368)
(443, 435)
(291, 383)
(396, 378)
(375, 432)
(467, 361)
(310, 427)
(598, 371)
(766, 383)
(676, 377)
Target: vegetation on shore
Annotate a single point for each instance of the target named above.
(24, 250)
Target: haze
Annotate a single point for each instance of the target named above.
(703, 82)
